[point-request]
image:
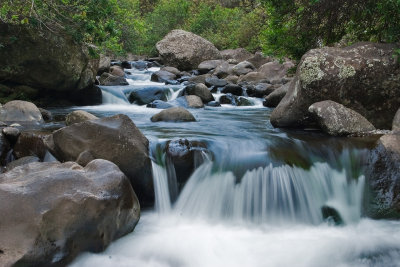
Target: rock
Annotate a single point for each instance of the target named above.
(116, 139)
(104, 65)
(162, 76)
(208, 65)
(140, 65)
(185, 156)
(329, 213)
(176, 114)
(233, 89)
(79, 116)
(159, 104)
(21, 161)
(20, 111)
(46, 115)
(89, 96)
(185, 50)
(239, 54)
(30, 144)
(46, 60)
(117, 71)
(51, 212)
(26, 92)
(2, 124)
(201, 91)
(243, 68)
(335, 119)
(260, 90)
(228, 99)
(213, 104)
(215, 81)
(275, 71)
(171, 70)
(242, 101)
(253, 77)
(223, 70)
(147, 95)
(11, 134)
(363, 77)
(193, 101)
(383, 179)
(273, 99)
(126, 64)
(232, 79)
(4, 149)
(396, 122)
(108, 79)
(84, 158)
(258, 60)
(199, 79)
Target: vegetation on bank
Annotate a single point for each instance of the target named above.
(277, 27)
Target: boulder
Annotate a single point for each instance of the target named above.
(4, 149)
(117, 71)
(364, 77)
(162, 76)
(193, 101)
(140, 65)
(273, 99)
(243, 68)
(116, 139)
(208, 65)
(223, 70)
(185, 155)
(159, 104)
(228, 99)
(147, 95)
(79, 116)
(175, 114)
(199, 79)
(201, 91)
(11, 133)
(20, 111)
(258, 60)
(44, 59)
(185, 50)
(383, 179)
(46, 115)
(233, 89)
(242, 101)
(260, 90)
(171, 70)
(90, 96)
(232, 79)
(51, 212)
(30, 144)
(335, 119)
(126, 64)
(108, 79)
(21, 161)
(215, 81)
(275, 71)
(104, 64)
(239, 54)
(396, 122)
(253, 77)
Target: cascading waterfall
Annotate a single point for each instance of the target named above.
(265, 195)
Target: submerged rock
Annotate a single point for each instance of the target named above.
(175, 114)
(335, 119)
(51, 212)
(79, 116)
(116, 139)
(364, 77)
(147, 95)
(20, 111)
(159, 104)
(185, 50)
(331, 214)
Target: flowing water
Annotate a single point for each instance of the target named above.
(256, 198)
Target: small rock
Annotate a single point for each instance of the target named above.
(162, 76)
(147, 95)
(228, 99)
(208, 65)
(47, 116)
(213, 104)
(274, 98)
(243, 68)
(193, 101)
(242, 101)
(201, 91)
(78, 116)
(171, 70)
(176, 114)
(11, 133)
(117, 71)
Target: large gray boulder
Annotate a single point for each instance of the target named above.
(364, 77)
(175, 114)
(335, 119)
(44, 60)
(20, 111)
(116, 139)
(51, 212)
(275, 71)
(185, 50)
(78, 116)
(383, 179)
(273, 99)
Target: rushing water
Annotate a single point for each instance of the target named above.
(256, 197)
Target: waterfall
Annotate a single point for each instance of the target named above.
(281, 194)
(113, 95)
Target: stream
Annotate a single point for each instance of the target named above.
(257, 195)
